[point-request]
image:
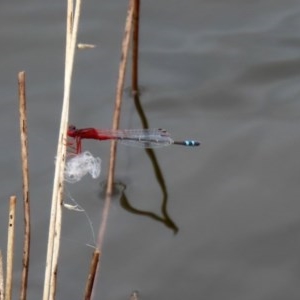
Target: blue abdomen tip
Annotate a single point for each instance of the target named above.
(192, 143)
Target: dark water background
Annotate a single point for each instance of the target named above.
(224, 72)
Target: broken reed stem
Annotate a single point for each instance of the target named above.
(135, 47)
(26, 202)
(10, 247)
(1, 277)
(57, 195)
(134, 295)
(92, 275)
(116, 121)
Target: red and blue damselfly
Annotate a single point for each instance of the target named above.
(143, 138)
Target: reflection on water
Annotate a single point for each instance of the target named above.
(165, 218)
(121, 187)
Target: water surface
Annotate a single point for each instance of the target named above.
(226, 73)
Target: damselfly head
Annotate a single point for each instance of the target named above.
(71, 130)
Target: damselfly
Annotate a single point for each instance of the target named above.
(144, 138)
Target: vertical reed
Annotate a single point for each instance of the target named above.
(10, 247)
(26, 202)
(56, 206)
(115, 125)
(134, 296)
(116, 121)
(1, 277)
(92, 275)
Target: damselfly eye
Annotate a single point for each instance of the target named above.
(72, 127)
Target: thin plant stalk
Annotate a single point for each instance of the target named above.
(62, 144)
(69, 29)
(57, 195)
(10, 247)
(92, 275)
(116, 121)
(135, 48)
(134, 296)
(26, 199)
(115, 125)
(1, 277)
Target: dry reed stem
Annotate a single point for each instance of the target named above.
(134, 296)
(69, 28)
(10, 247)
(135, 48)
(26, 202)
(92, 275)
(116, 121)
(115, 125)
(1, 277)
(56, 206)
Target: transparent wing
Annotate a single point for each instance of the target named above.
(143, 138)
